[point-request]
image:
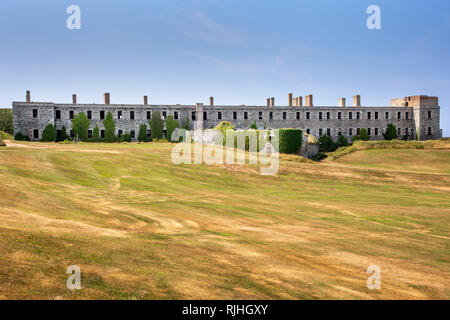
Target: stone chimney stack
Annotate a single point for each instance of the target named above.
(309, 100)
(211, 101)
(268, 102)
(28, 96)
(145, 100)
(106, 98)
(290, 99)
(74, 99)
(299, 101)
(357, 101)
(272, 101)
(341, 102)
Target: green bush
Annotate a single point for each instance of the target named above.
(342, 141)
(21, 137)
(80, 126)
(363, 135)
(126, 137)
(5, 136)
(49, 133)
(64, 135)
(318, 157)
(142, 136)
(391, 132)
(157, 126)
(96, 134)
(290, 140)
(171, 125)
(224, 125)
(253, 125)
(327, 144)
(110, 128)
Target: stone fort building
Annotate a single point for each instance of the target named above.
(412, 116)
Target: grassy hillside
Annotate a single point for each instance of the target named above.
(141, 227)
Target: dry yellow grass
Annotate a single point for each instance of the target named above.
(141, 227)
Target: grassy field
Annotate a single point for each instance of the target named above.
(141, 227)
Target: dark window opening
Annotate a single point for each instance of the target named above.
(328, 116)
(245, 115)
(89, 134)
(284, 115)
(328, 132)
(175, 115)
(387, 115)
(320, 132)
(71, 114)
(119, 115)
(133, 134)
(369, 115)
(102, 133)
(36, 134)
(369, 131)
(260, 115)
(358, 115)
(164, 115)
(58, 134)
(193, 115)
(58, 114)
(357, 131)
(376, 115)
(429, 131)
(308, 131)
(350, 115)
(234, 115)
(350, 132)
(399, 115)
(320, 115)
(308, 116)
(149, 115)
(89, 114)
(339, 115)
(149, 133)
(407, 115)
(205, 115)
(219, 115)
(270, 115)
(429, 115)
(376, 131)
(131, 115)
(102, 114)
(35, 113)
(298, 115)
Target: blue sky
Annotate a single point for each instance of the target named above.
(239, 51)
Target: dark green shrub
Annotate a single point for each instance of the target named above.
(49, 133)
(21, 137)
(327, 144)
(318, 157)
(253, 125)
(142, 136)
(363, 135)
(80, 126)
(126, 137)
(157, 126)
(391, 132)
(171, 125)
(342, 141)
(110, 128)
(290, 140)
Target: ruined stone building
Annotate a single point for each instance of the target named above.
(411, 116)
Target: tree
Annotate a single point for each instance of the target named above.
(157, 126)
(49, 133)
(327, 144)
(80, 126)
(142, 136)
(6, 121)
(110, 128)
(253, 125)
(171, 125)
(96, 134)
(391, 132)
(363, 134)
(342, 141)
(21, 137)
